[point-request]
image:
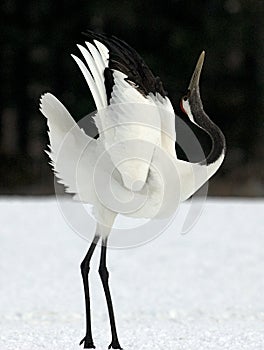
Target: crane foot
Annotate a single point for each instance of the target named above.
(115, 345)
(88, 343)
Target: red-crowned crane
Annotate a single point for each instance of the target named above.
(121, 82)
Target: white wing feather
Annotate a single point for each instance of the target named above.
(103, 51)
(90, 82)
(67, 144)
(101, 63)
(130, 130)
(94, 67)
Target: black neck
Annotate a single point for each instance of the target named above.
(205, 123)
(217, 137)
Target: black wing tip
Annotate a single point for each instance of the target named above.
(107, 38)
(96, 35)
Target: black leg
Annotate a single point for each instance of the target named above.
(85, 267)
(104, 277)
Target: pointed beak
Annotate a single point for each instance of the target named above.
(194, 83)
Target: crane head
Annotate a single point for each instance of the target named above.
(191, 101)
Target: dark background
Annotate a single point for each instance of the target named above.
(37, 38)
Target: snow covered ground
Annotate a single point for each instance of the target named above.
(203, 290)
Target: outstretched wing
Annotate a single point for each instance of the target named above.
(130, 101)
(67, 145)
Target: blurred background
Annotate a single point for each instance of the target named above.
(37, 38)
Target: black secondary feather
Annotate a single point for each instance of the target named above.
(125, 59)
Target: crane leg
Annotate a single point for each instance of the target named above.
(85, 267)
(104, 274)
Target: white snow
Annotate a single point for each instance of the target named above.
(200, 291)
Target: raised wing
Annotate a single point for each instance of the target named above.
(130, 101)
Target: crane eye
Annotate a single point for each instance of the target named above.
(185, 97)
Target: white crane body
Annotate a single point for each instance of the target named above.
(146, 123)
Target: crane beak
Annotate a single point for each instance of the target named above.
(194, 83)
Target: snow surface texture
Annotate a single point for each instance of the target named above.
(203, 290)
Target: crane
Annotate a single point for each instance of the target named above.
(136, 124)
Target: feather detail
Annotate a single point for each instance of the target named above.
(94, 67)
(67, 143)
(103, 51)
(98, 59)
(90, 82)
